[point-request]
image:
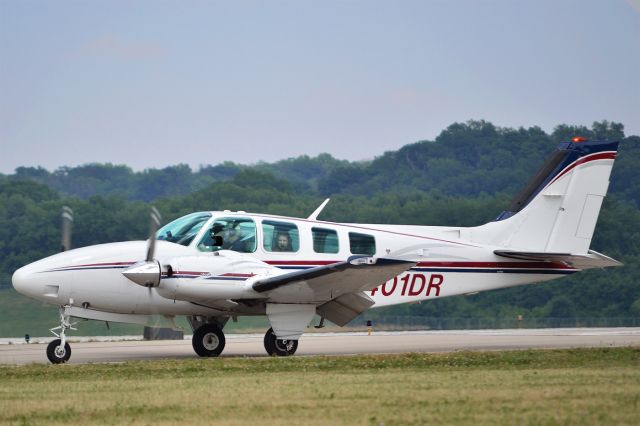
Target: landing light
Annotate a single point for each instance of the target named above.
(579, 139)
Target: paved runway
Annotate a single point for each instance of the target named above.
(241, 345)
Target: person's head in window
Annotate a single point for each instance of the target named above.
(231, 237)
(283, 242)
(217, 228)
(215, 235)
(232, 233)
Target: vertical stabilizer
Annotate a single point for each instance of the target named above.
(558, 210)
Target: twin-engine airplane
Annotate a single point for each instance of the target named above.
(211, 266)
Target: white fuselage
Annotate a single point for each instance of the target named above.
(447, 264)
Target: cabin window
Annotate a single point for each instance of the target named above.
(230, 233)
(280, 236)
(325, 240)
(362, 243)
(184, 229)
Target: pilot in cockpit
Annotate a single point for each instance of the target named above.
(236, 235)
(239, 238)
(232, 238)
(213, 239)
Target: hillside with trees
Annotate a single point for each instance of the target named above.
(466, 159)
(465, 177)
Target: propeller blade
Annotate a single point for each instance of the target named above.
(67, 222)
(155, 224)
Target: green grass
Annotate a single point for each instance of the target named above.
(581, 386)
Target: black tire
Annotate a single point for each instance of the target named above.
(58, 354)
(208, 340)
(279, 347)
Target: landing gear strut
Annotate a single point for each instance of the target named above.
(59, 351)
(279, 347)
(208, 340)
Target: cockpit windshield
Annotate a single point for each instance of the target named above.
(230, 233)
(184, 229)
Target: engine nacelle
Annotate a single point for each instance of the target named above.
(218, 276)
(205, 288)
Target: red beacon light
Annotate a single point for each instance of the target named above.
(579, 139)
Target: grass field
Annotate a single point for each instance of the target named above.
(581, 386)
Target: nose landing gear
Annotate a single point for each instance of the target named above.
(59, 351)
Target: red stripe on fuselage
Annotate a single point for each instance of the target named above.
(492, 265)
(99, 264)
(230, 274)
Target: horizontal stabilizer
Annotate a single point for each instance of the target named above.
(593, 259)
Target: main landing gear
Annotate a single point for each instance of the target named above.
(279, 347)
(59, 351)
(208, 340)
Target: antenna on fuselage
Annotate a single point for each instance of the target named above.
(314, 215)
(67, 222)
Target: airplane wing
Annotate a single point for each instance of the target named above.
(338, 289)
(593, 259)
(358, 273)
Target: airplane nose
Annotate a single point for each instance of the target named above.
(37, 281)
(20, 280)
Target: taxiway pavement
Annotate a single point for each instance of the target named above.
(88, 350)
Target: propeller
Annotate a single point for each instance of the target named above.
(153, 228)
(147, 272)
(67, 222)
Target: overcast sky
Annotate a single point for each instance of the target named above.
(157, 83)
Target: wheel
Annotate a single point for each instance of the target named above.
(208, 340)
(57, 353)
(279, 347)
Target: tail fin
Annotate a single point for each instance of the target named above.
(557, 211)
